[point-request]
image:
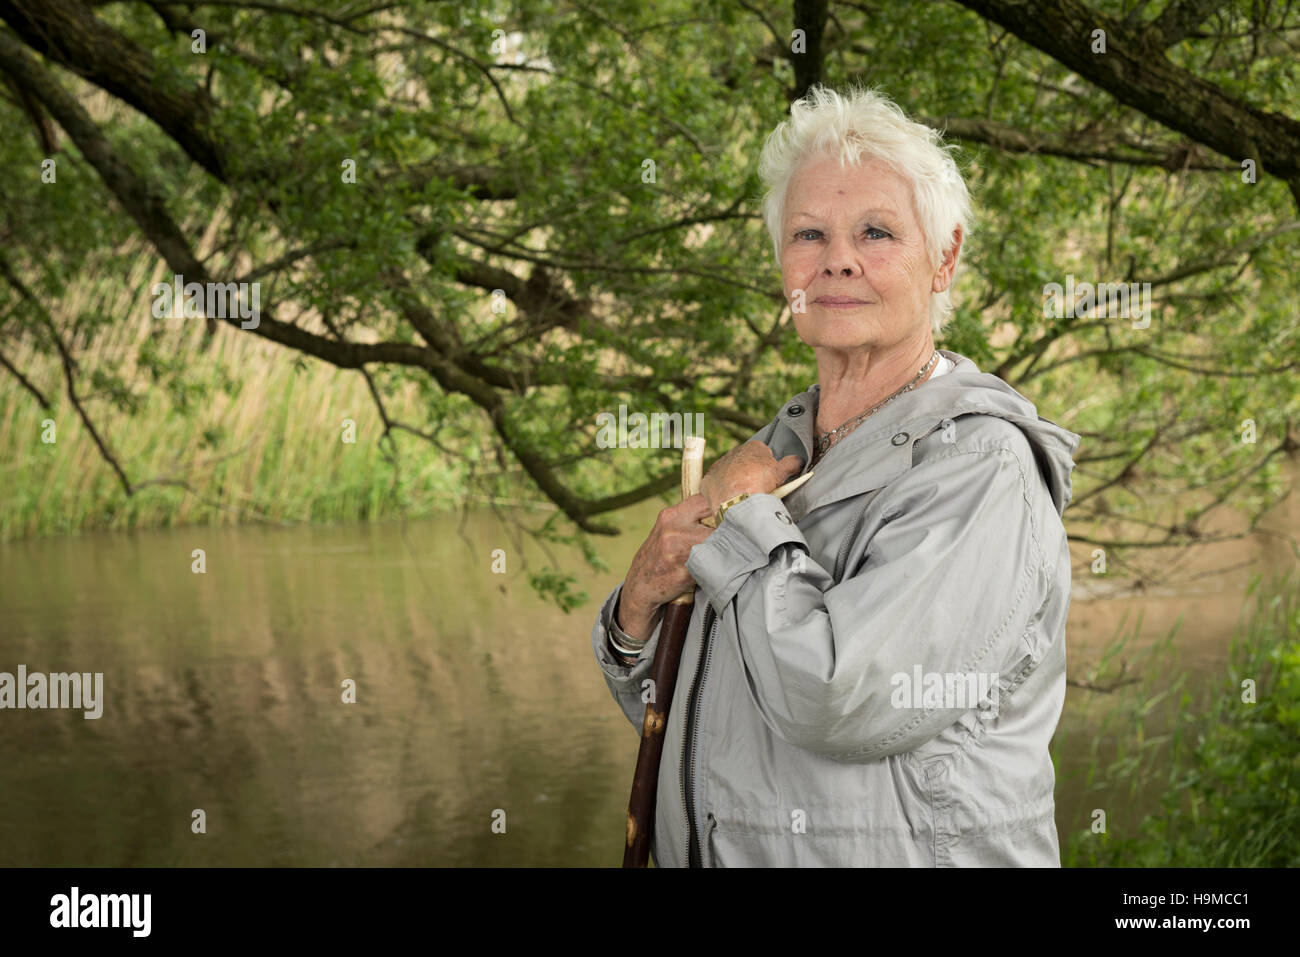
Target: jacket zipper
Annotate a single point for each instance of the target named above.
(688, 775)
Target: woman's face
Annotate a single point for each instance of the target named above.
(852, 234)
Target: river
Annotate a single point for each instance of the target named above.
(481, 732)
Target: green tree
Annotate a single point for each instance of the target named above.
(535, 211)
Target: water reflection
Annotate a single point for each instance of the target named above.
(223, 692)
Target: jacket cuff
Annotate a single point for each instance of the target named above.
(742, 544)
(605, 657)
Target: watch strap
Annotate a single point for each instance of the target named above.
(722, 509)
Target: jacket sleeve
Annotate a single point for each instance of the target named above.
(624, 682)
(948, 583)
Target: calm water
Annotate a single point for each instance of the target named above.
(223, 692)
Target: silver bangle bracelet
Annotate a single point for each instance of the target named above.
(621, 638)
(627, 661)
(631, 650)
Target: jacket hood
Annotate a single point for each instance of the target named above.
(963, 390)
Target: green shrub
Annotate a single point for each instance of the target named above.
(1231, 786)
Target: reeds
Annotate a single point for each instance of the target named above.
(256, 436)
(1188, 772)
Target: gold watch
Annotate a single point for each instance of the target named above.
(722, 509)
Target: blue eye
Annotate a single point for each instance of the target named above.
(869, 230)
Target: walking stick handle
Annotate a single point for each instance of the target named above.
(692, 476)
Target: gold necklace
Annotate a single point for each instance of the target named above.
(827, 439)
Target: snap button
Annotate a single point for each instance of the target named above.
(900, 438)
(783, 517)
(796, 410)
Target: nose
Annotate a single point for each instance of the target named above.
(842, 258)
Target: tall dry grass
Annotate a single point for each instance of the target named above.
(264, 443)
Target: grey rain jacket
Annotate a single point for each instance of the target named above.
(807, 727)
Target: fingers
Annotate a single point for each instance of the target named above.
(793, 464)
(658, 573)
(696, 507)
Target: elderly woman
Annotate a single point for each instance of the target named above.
(880, 663)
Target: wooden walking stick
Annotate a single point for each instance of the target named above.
(663, 674)
(668, 655)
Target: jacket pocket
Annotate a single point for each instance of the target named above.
(846, 542)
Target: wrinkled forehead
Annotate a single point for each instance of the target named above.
(823, 186)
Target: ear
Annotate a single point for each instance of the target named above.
(943, 276)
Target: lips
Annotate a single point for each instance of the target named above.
(840, 301)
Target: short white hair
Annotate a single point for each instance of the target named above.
(862, 123)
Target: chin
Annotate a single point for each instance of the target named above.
(841, 343)
(837, 334)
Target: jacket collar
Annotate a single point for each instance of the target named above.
(880, 449)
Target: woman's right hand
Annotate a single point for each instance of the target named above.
(658, 572)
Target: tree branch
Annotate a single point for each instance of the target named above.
(1093, 150)
(68, 33)
(1135, 71)
(69, 370)
(1180, 18)
(26, 384)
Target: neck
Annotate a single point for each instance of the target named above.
(853, 381)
